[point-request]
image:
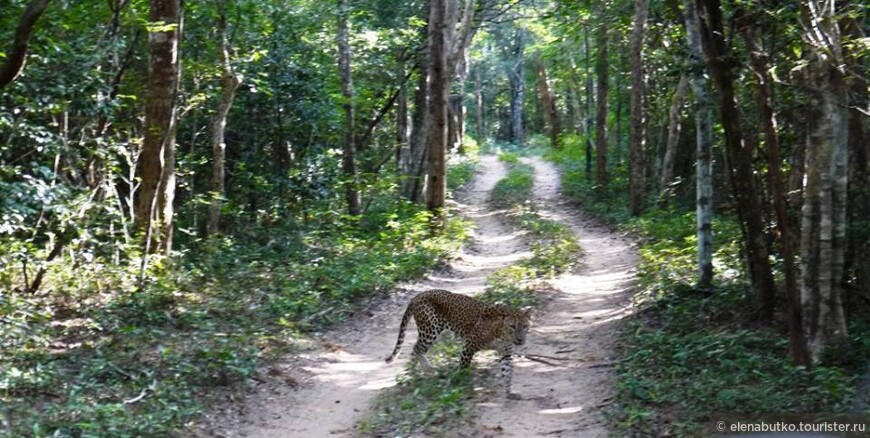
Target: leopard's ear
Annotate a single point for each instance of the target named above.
(527, 312)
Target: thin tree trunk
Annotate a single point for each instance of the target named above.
(548, 104)
(704, 144)
(416, 164)
(601, 72)
(588, 119)
(823, 224)
(230, 82)
(674, 127)
(17, 56)
(575, 110)
(776, 181)
(740, 154)
(436, 141)
(154, 213)
(402, 150)
(638, 124)
(456, 107)
(518, 87)
(348, 157)
(479, 124)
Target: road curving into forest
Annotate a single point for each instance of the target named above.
(571, 380)
(325, 391)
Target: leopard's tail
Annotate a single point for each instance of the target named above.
(402, 327)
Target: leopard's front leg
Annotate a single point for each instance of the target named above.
(507, 370)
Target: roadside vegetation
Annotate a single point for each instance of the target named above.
(690, 352)
(124, 359)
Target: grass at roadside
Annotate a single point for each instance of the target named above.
(689, 353)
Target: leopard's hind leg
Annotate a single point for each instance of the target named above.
(429, 328)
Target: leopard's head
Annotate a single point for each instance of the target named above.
(519, 325)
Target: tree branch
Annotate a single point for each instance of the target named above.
(15, 59)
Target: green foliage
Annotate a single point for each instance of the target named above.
(687, 358)
(132, 361)
(510, 158)
(514, 188)
(510, 286)
(461, 172)
(603, 202)
(424, 404)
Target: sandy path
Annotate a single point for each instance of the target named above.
(326, 391)
(578, 326)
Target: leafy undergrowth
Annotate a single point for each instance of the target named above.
(100, 356)
(462, 168)
(420, 403)
(690, 353)
(432, 405)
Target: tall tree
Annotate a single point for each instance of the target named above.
(515, 69)
(230, 82)
(154, 212)
(602, 74)
(587, 121)
(548, 103)
(450, 32)
(638, 131)
(776, 181)
(674, 127)
(16, 57)
(740, 152)
(823, 217)
(704, 145)
(436, 141)
(414, 165)
(348, 153)
(479, 122)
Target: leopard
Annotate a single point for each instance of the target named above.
(478, 325)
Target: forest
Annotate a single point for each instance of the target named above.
(213, 214)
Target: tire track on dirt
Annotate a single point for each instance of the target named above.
(575, 331)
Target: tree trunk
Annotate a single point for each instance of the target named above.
(230, 82)
(154, 213)
(739, 153)
(456, 107)
(518, 87)
(415, 168)
(704, 144)
(674, 127)
(638, 131)
(479, 122)
(455, 122)
(823, 217)
(601, 72)
(17, 56)
(776, 182)
(439, 81)
(348, 156)
(402, 150)
(575, 110)
(859, 162)
(548, 105)
(588, 119)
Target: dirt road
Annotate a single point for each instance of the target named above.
(327, 390)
